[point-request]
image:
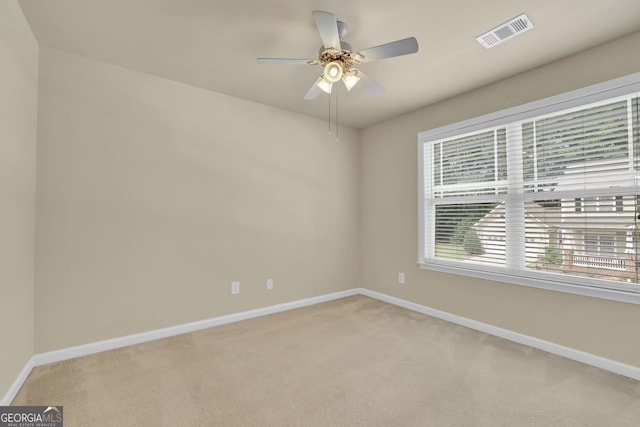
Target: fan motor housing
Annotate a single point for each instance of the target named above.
(342, 29)
(345, 56)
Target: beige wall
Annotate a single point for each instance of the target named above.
(389, 217)
(18, 115)
(153, 196)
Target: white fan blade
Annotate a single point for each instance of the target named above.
(314, 91)
(327, 28)
(389, 50)
(374, 88)
(283, 61)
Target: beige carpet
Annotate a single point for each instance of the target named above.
(350, 362)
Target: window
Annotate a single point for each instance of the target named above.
(599, 244)
(544, 194)
(599, 204)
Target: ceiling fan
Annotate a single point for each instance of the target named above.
(338, 59)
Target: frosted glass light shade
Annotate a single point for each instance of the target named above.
(325, 84)
(333, 71)
(350, 79)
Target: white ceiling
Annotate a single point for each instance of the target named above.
(213, 43)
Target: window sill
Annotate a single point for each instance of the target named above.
(544, 281)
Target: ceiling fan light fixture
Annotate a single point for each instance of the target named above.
(325, 84)
(333, 71)
(350, 79)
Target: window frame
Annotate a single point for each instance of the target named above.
(571, 100)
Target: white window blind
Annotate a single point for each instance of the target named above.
(550, 196)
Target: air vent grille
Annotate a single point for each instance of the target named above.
(504, 32)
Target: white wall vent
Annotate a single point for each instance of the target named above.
(504, 32)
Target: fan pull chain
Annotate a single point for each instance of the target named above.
(336, 114)
(329, 113)
(337, 124)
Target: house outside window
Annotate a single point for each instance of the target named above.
(543, 195)
(599, 244)
(599, 204)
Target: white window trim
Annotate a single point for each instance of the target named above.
(549, 281)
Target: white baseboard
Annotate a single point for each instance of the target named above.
(40, 359)
(560, 350)
(15, 387)
(111, 344)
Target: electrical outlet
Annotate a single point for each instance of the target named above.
(269, 284)
(401, 278)
(235, 288)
